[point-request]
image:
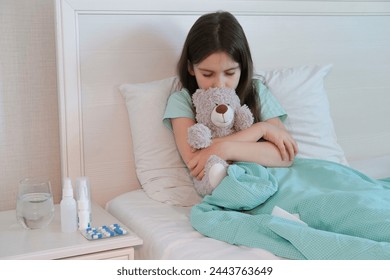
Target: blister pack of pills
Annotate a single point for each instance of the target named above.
(105, 231)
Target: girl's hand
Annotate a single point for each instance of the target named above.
(198, 162)
(282, 139)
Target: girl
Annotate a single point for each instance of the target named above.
(344, 213)
(216, 54)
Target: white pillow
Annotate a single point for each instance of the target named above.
(159, 167)
(301, 92)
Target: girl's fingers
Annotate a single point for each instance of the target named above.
(283, 151)
(288, 150)
(291, 152)
(190, 165)
(293, 149)
(200, 176)
(195, 170)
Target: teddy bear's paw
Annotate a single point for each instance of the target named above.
(202, 187)
(244, 118)
(216, 174)
(214, 159)
(199, 136)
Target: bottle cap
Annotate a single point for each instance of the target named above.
(83, 199)
(67, 189)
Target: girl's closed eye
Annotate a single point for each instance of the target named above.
(209, 75)
(206, 73)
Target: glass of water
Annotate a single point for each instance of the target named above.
(34, 206)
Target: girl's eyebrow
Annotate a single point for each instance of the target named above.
(233, 68)
(208, 70)
(205, 70)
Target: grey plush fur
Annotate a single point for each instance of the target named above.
(218, 113)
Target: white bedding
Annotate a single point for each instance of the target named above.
(167, 233)
(376, 167)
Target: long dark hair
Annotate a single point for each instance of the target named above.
(216, 32)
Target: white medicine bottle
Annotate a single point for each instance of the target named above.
(68, 208)
(83, 196)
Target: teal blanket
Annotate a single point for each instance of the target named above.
(347, 213)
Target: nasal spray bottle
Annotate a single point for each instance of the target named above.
(83, 203)
(68, 208)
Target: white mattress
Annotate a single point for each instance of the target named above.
(167, 233)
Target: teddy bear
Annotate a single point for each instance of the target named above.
(218, 113)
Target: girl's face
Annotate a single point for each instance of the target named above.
(216, 70)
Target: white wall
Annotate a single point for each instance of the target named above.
(29, 132)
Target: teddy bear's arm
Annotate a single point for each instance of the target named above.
(199, 136)
(243, 118)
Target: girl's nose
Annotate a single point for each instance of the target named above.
(219, 83)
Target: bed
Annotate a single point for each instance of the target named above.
(325, 61)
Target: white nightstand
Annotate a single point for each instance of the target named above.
(50, 243)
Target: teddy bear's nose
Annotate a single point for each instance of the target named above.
(221, 109)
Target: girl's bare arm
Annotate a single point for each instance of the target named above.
(272, 130)
(232, 147)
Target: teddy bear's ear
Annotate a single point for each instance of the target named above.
(235, 99)
(196, 96)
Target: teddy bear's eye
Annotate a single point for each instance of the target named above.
(216, 104)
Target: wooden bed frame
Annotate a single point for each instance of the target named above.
(102, 44)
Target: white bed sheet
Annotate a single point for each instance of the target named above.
(375, 167)
(167, 233)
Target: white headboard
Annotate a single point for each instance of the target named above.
(102, 44)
